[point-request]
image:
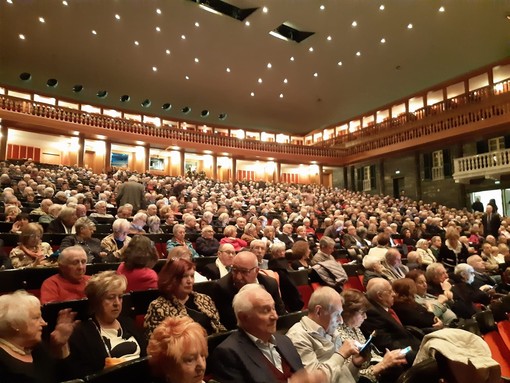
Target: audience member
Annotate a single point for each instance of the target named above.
(116, 243)
(206, 244)
(393, 267)
(138, 259)
(299, 256)
(179, 240)
(69, 283)
(85, 227)
(222, 264)
(31, 251)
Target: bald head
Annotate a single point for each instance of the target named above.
(379, 290)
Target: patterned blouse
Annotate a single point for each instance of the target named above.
(199, 306)
(21, 259)
(345, 332)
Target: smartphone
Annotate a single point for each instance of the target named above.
(365, 346)
(405, 350)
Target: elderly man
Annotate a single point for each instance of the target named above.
(116, 243)
(312, 337)
(256, 353)
(491, 221)
(131, 192)
(482, 280)
(393, 267)
(286, 236)
(326, 248)
(206, 245)
(259, 247)
(222, 264)
(244, 271)
(70, 283)
(43, 209)
(437, 280)
(390, 333)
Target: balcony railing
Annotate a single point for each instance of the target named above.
(13, 104)
(487, 165)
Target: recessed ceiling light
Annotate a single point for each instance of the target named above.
(197, 60)
(322, 7)
(158, 29)
(328, 38)
(154, 69)
(187, 77)
(281, 95)
(21, 36)
(247, 23)
(117, 17)
(65, 3)
(441, 9)
(9, 1)
(310, 49)
(383, 40)
(409, 26)
(41, 20)
(269, 66)
(94, 32)
(285, 81)
(197, 24)
(158, 11)
(265, 9)
(292, 58)
(183, 37)
(358, 53)
(315, 74)
(167, 51)
(354, 23)
(260, 81)
(340, 63)
(137, 43)
(252, 94)
(228, 70)
(381, 7)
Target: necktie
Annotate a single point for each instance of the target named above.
(394, 315)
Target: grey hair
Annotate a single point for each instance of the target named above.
(431, 270)
(462, 268)
(83, 222)
(420, 242)
(177, 227)
(242, 301)
(370, 260)
(14, 311)
(324, 296)
(119, 224)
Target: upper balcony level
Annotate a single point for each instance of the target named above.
(490, 165)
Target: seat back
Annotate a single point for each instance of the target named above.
(50, 312)
(286, 321)
(485, 320)
(132, 371)
(140, 301)
(302, 282)
(424, 372)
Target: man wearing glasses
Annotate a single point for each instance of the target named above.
(223, 263)
(244, 271)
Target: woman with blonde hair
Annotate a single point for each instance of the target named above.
(31, 251)
(452, 251)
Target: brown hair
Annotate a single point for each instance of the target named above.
(405, 289)
(354, 301)
(140, 253)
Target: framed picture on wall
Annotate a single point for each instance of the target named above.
(157, 163)
(120, 160)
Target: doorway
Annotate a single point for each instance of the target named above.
(398, 187)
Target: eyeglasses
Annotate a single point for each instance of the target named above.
(229, 252)
(245, 272)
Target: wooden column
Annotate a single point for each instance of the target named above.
(147, 157)
(81, 150)
(215, 167)
(4, 132)
(183, 162)
(107, 156)
(234, 169)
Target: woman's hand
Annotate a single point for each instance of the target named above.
(442, 298)
(391, 358)
(438, 323)
(63, 330)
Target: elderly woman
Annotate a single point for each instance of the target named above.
(100, 212)
(177, 298)
(422, 248)
(116, 243)
(107, 338)
(154, 224)
(438, 305)
(354, 314)
(373, 268)
(139, 258)
(409, 312)
(250, 233)
(31, 251)
(53, 212)
(11, 212)
(85, 227)
(299, 256)
(230, 233)
(452, 251)
(20, 222)
(23, 358)
(178, 351)
(206, 244)
(138, 223)
(179, 240)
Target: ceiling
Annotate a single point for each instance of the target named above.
(467, 35)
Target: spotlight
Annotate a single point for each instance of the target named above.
(186, 110)
(52, 83)
(166, 106)
(77, 88)
(25, 76)
(125, 98)
(204, 113)
(102, 94)
(222, 116)
(146, 103)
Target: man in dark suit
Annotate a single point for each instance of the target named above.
(482, 281)
(64, 223)
(256, 353)
(286, 236)
(390, 333)
(244, 271)
(131, 192)
(491, 222)
(221, 266)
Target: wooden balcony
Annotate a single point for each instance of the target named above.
(30, 115)
(490, 165)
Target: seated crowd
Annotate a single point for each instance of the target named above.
(423, 265)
